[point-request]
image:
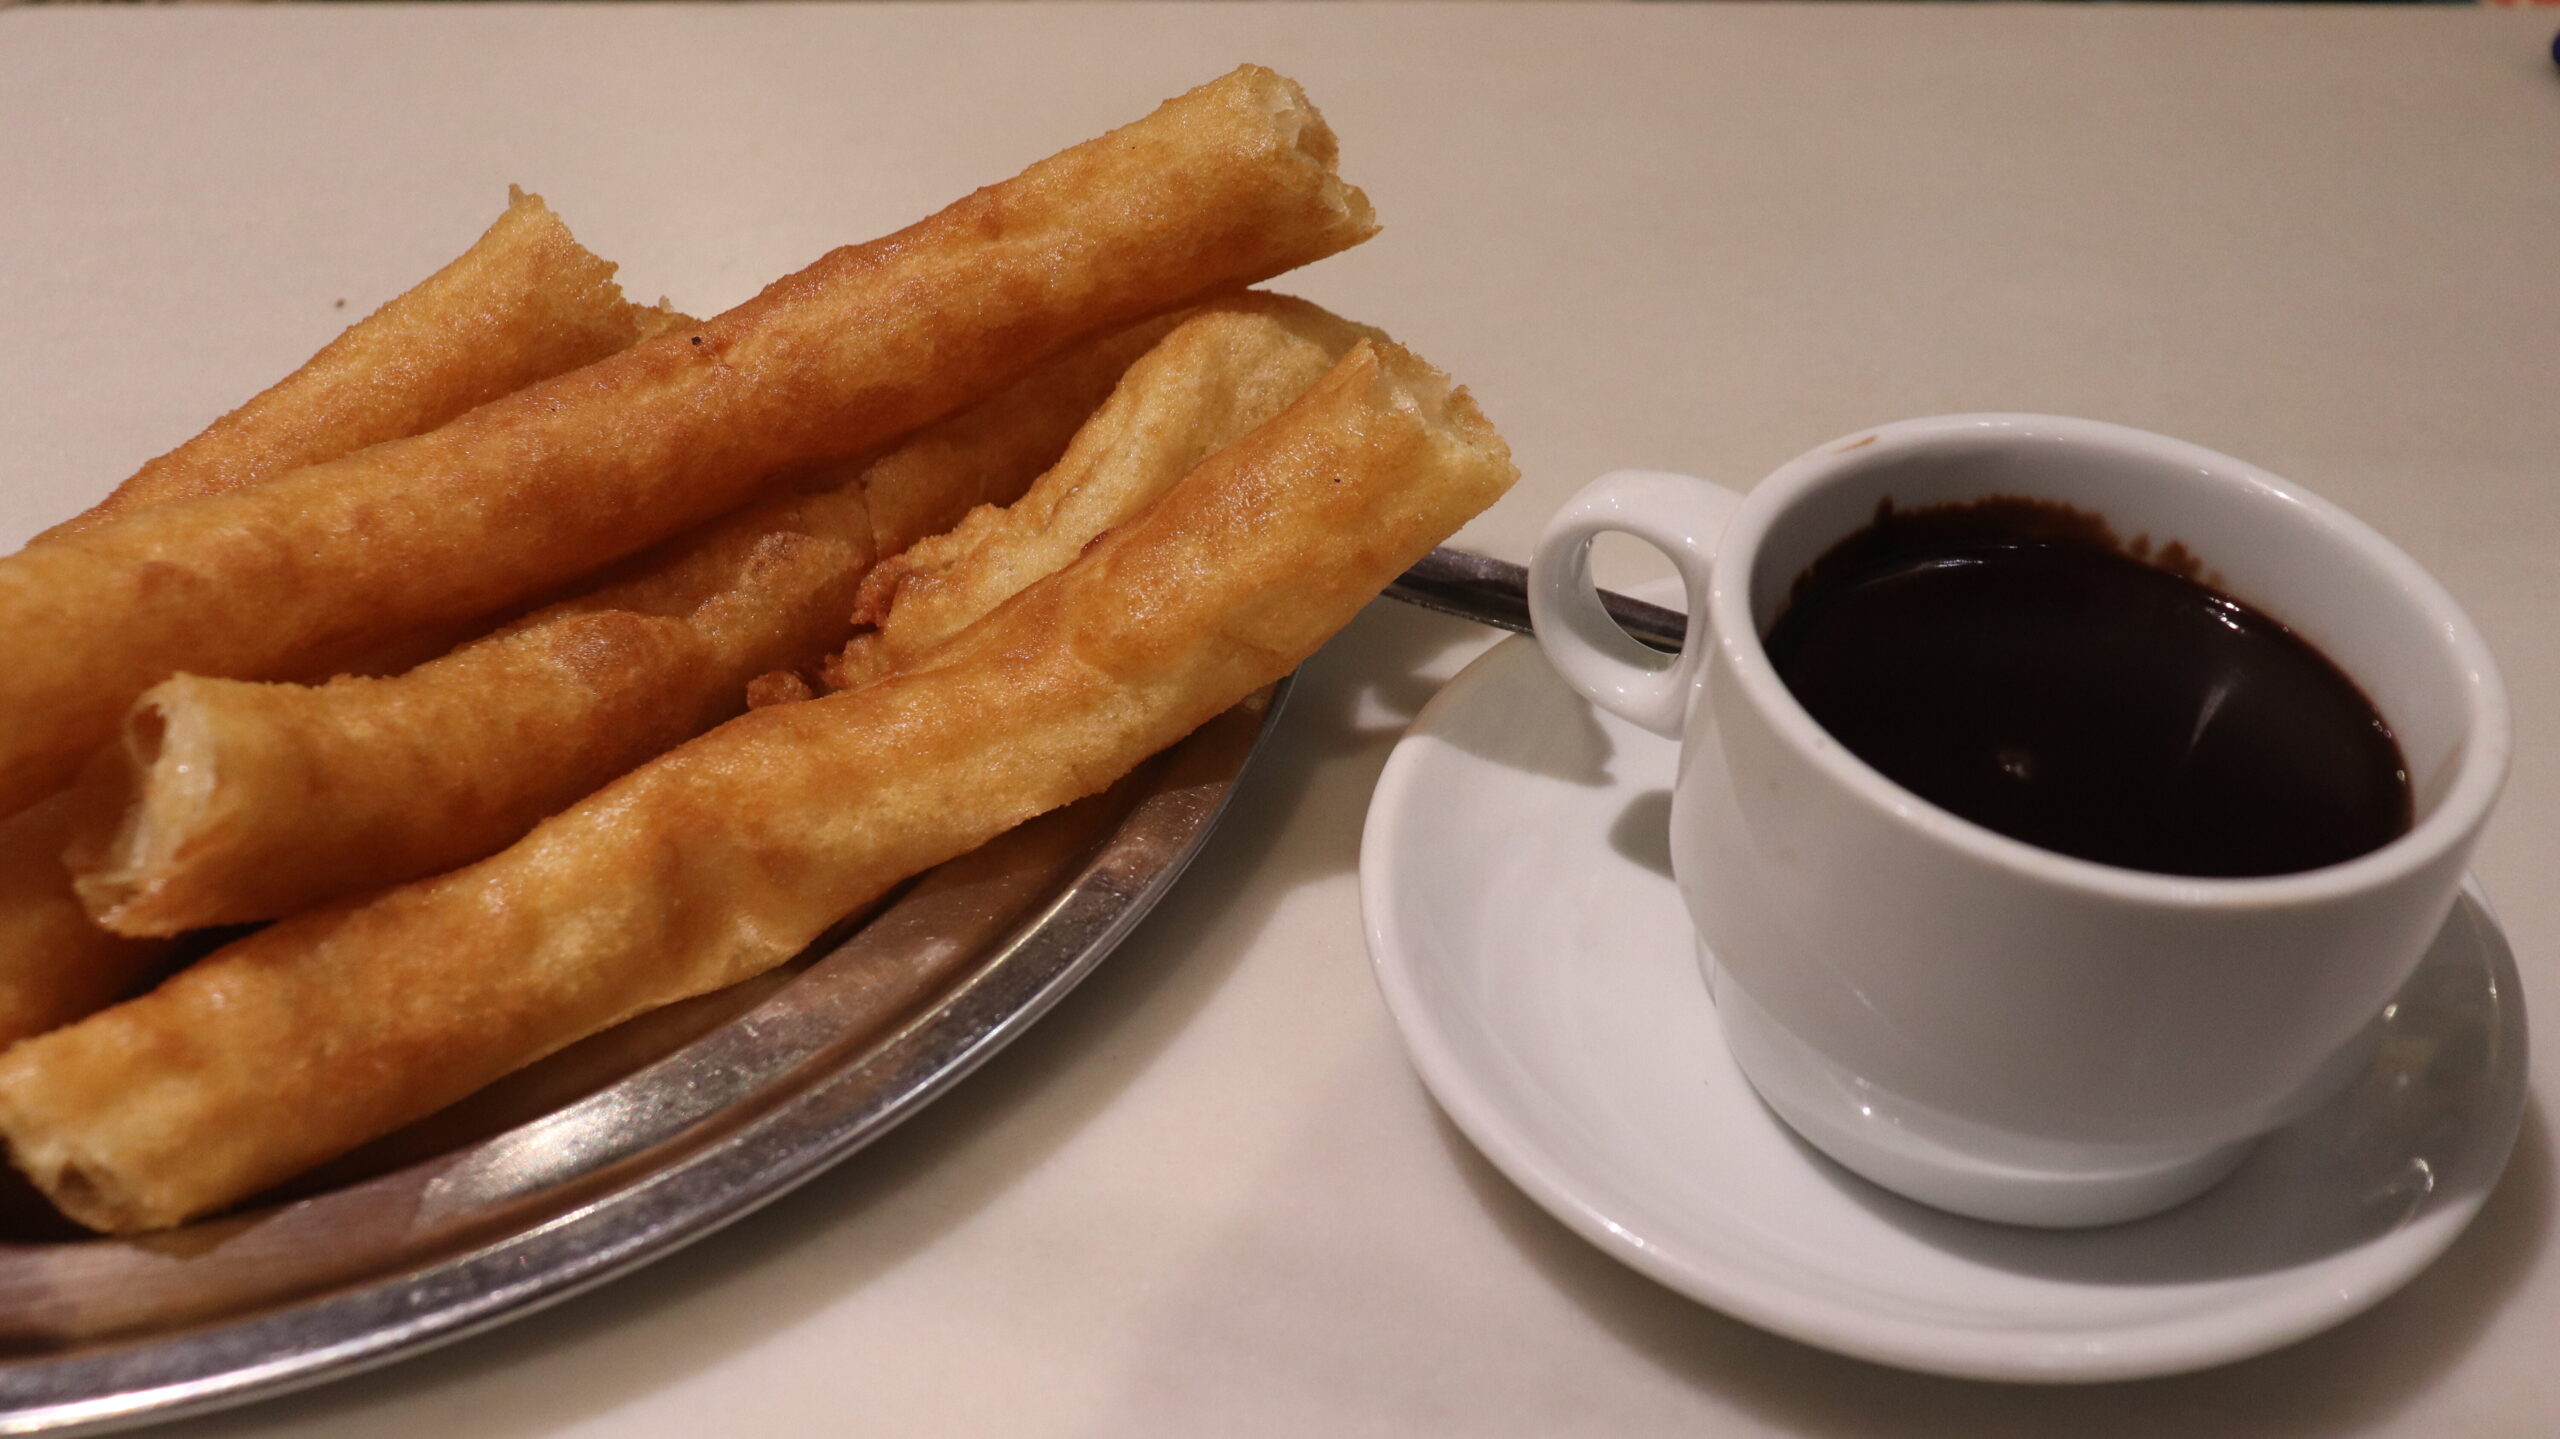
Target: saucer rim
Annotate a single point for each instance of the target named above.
(2253, 1324)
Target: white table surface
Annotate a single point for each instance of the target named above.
(1208, 1196)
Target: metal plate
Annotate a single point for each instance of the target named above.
(610, 1153)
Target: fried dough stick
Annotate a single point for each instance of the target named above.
(231, 800)
(1223, 186)
(724, 857)
(990, 453)
(55, 963)
(524, 303)
(1229, 366)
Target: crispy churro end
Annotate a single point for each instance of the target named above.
(52, 1159)
(1302, 128)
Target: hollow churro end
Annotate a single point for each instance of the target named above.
(50, 1155)
(1455, 424)
(81, 1196)
(1301, 128)
(138, 800)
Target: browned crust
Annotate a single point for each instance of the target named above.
(990, 453)
(55, 964)
(524, 303)
(1225, 185)
(724, 857)
(231, 801)
(1230, 365)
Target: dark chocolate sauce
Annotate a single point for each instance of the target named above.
(2007, 660)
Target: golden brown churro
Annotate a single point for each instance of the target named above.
(1228, 366)
(1222, 186)
(724, 857)
(524, 303)
(231, 800)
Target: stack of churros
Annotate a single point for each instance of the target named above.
(533, 659)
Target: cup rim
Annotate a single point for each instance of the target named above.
(2480, 771)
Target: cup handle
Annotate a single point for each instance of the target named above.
(1677, 514)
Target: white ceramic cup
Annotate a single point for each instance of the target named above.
(1966, 1019)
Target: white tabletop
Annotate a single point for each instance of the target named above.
(1207, 1195)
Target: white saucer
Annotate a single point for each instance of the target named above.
(1529, 940)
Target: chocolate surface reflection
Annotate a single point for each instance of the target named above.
(2006, 660)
